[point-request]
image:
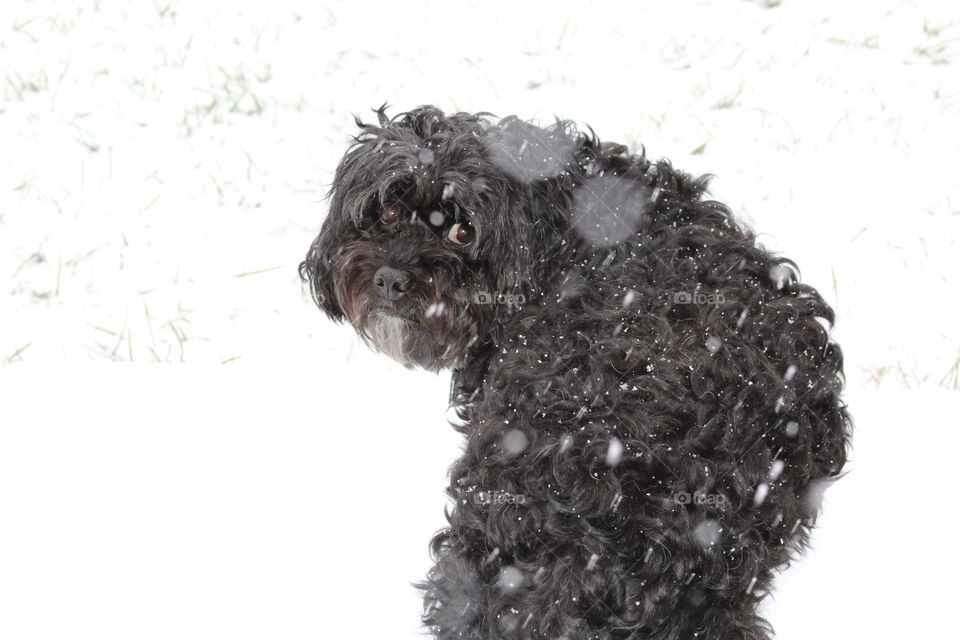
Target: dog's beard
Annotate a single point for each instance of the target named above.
(430, 327)
(390, 335)
(404, 341)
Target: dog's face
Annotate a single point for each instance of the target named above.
(439, 226)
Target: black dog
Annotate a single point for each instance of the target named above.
(651, 401)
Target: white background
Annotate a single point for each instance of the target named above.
(162, 171)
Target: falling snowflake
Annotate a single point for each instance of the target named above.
(707, 533)
(526, 159)
(713, 344)
(775, 470)
(761, 494)
(742, 318)
(778, 407)
(607, 210)
(614, 452)
(510, 579)
(514, 442)
(615, 505)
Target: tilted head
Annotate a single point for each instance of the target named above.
(440, 226)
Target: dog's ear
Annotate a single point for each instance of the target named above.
(348, 201)
(317, 271)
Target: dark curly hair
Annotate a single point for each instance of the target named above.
(651, 419)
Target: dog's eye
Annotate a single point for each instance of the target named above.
(461, 233)
(389, 214)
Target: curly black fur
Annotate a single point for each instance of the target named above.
(650, 400)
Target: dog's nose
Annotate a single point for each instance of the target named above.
(391, 283)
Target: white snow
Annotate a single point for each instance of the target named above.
(162, 172)
(164, 168)
(792, 428)
(776, 469)
(437, 218)
(614, 452)
(514, 442)
(881, 565)
(761, 493)
(714, 344)
(607, 209)
(510, 578)
(706, 533)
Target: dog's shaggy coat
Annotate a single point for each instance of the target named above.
(650, 400)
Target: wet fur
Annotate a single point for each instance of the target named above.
(717, 400)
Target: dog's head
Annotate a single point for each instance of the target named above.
(439, 227)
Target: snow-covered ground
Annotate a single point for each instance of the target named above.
(162, 171)
(199, 501)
